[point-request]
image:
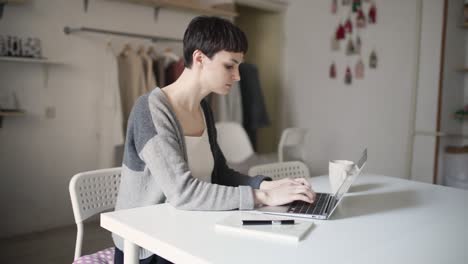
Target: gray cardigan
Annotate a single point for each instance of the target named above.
(155, 168)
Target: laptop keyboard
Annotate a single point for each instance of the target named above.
(315, 208)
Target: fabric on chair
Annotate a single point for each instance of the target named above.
(105, 256)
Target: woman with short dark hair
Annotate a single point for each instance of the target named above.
(171, 153)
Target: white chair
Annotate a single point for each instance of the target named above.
(234, 142)
(292, 138)
(93, 192)
(280, 170)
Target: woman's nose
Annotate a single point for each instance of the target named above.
(236, 76)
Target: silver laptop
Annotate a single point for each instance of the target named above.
(324, 204)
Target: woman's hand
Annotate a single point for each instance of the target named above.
(285, 193)
(266, 185)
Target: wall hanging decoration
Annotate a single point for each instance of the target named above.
(359, 70)
(333, 71)
(373, 60)
(340, 32)
(357, 45)
(372, 14)
(335, 44)
(350, 47)
(348, 77)
(353, 19)
(334, 6)
(360, 19)
(348, 26)
(356, 5)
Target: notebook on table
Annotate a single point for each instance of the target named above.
(232, 224)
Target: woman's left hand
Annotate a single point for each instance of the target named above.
(266, 185)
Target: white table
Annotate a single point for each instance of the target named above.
(381, 220)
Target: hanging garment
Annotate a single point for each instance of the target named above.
(255, 114)
(147, 63)
(131, 81)
(228, 107)
(110, 114)
(174, 71)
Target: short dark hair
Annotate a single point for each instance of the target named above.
(211, 35)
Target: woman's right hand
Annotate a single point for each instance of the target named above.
(284, 194)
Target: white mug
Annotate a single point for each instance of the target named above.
(338, 170)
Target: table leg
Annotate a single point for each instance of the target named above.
(130, 253)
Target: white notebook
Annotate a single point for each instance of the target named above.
(292, 233)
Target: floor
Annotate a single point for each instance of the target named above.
(55, 246)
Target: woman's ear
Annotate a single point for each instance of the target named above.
(198, 57)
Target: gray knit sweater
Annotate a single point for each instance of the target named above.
(155, 168)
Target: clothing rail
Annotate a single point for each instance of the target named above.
(69, 30)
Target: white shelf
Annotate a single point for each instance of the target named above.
(439, 134)
(184, 5)
(28, 60)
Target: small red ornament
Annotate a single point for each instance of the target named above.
(348, 26)
(360, 19)
(333, 71)
(340, 32)
(373, 14)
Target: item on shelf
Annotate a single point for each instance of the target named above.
(465, 13)
(3, 48)
(31, 47)
(13, 46)
(462, 113)
(456, 166)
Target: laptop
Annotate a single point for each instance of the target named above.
(325, 203)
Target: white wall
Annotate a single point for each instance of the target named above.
(374, 112)
(38, 156)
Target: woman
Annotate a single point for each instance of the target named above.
(170, 128)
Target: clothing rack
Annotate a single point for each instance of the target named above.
(69, 30)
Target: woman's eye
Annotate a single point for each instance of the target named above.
(229, 67)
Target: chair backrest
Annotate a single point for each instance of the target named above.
(291, 137)
(280, 170)
(234, 141)
(92, 192)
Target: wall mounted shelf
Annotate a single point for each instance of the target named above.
(183, 5)
(27, 60)
(10, 113)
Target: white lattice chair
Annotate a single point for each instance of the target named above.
(93, 192)
(292, 139)
(280, 170)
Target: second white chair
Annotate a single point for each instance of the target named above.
(234, 142)
(280, 170)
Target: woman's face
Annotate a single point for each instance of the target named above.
(220, 72)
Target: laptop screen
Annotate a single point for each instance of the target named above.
(350, 179)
